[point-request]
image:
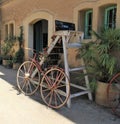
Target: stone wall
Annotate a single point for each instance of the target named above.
(27, 12)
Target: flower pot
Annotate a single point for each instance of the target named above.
(16, 65)
(4, 62)
(7, 63)
(101, 94)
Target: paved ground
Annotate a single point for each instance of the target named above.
(20, 109)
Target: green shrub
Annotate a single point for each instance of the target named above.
(19, 55)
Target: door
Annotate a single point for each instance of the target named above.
(40, 35)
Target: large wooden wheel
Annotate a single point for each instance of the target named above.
(55, 88)
(28, 78)
(113, 93)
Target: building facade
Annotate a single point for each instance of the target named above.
(38, 18)
(96, 14)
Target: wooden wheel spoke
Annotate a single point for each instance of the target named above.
(26, 88)
(29, 85)
(55, 98)
(117, 80)
(34, 72)
(58, 78)
(48, 95)
(51, 96)
(48, 81)
(21, 77)
(61, 92)
(24, 83)
(45, 87)
(22, 71)
(34, 85)
(59, 81)
(62, 76)
(61, 86)
(30, 67)
(24, 66)
(59, 97)
(34, 81)
(45, 90)
(52, 75)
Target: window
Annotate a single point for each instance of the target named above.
(110, 17)
(85, 22)
(88, 23)
(6, 31)
(9, 30)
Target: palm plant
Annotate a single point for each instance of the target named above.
(99, 55)
(7, 47)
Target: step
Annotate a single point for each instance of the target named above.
(74, 45)
(76, 69)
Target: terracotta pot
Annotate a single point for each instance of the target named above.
(6, 63)
(16, 65)
(101, 94)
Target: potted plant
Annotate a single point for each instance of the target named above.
(7, 50)
(9, 63)
(18, 58)
(101, 59)
(19, 55)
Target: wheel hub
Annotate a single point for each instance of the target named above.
(27, 75)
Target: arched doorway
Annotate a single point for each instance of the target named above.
(40, 35)
(29, 24)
